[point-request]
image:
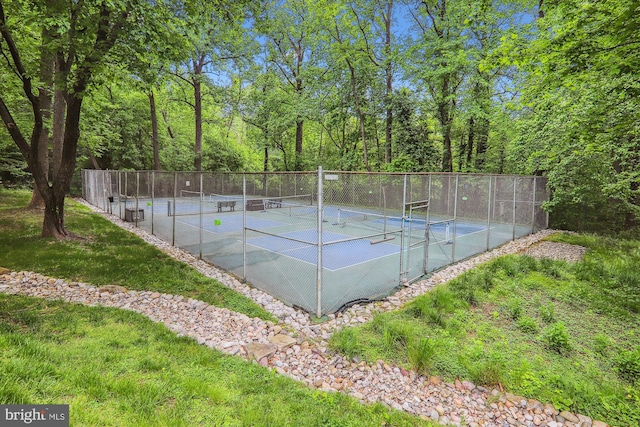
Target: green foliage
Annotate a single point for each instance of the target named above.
(578, 124)
(435, 306)
(111, 364)
(106, 255)
(421, 352)
(527, 325)
(547, 313)
(628, 365)
(13, 170)
(346, 341)
(602, 344)
(572, 364)
(514, 308)
(556, 337)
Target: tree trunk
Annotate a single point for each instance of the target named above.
(481, 148)
(299, 135)
(389, 77)
(356, 99)
(266, 158)
(59, 108)
(154, 131)
(444, 112)
(94, 161)
(197, 93)
(47, 60)
(166, 122)
(470, 141)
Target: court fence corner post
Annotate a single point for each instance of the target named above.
(244, 227)
(319, 264)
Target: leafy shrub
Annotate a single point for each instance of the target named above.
(547, 313)
(628, 365)
(556, 337)
(527, 325)
(514, 308)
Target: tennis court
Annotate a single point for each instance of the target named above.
(378, 231)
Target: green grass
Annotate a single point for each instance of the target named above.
(117, 368)
(563, 333)
(105, 255)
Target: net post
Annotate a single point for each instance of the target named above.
(319, 264)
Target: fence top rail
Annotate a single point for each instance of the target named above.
(315, 172)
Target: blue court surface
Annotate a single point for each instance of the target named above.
(462, 229)
(334, 256)
(227, 223)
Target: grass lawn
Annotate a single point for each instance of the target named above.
(557, 332)
(116, 367)
(106, 255)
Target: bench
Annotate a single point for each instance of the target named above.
(231, 204)
(274, 203)
(255, 205)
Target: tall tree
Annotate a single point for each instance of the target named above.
(214, 38)
(439, 61)
(374, 21)
(295, 49)
(580, 104)
(80, 35)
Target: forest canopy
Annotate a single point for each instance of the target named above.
(538, 87)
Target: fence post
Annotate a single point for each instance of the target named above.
(120, 194)
(489, 213)
(153, 193)
(137, 195)
(533, 209)
(515, 186)
(403, 276)
(319, 264)
(244, 227)
(173, 218)
(425, 267)
(201, 220)
(455, 220)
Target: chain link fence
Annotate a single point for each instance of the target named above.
(324, 240)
